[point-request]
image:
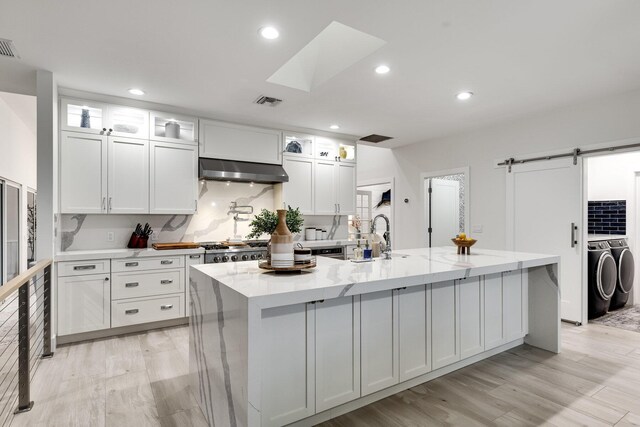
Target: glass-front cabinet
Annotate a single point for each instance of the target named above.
(83, 116)
(335, 149)
(169, 127)
(298, 145)
(103, 119)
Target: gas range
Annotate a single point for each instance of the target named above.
(216, 252)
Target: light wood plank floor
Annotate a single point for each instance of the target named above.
(140, 380)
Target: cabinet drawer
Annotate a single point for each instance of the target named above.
(143, 310)
(139, 264)
(80, 268)
(147, 283)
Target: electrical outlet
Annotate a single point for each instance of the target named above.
(111, 236)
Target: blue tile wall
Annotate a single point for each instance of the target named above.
(608, 217)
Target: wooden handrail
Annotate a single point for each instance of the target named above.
(12, 285)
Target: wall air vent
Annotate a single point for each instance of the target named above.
(268, 100)
(8, 49)
(375, 138)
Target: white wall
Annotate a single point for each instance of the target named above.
(612, 177)
(608, 119)
(18, 152)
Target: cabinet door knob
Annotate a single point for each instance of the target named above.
(104, 129)
(110, 130)
(106, 279)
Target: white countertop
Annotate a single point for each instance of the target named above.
(122, 253)
(333, 278)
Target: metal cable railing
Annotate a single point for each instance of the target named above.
(25, 336)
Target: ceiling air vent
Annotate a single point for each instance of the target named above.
(8, 49)
(375, 138)
(268, 100)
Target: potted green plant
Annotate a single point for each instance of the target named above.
(266, 222)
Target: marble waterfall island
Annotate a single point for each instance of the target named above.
(273, 350)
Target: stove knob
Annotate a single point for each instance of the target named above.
(216, 259)
(225, 258)
(260, 256)
(254, 256)
(234, 258)
(245, 257)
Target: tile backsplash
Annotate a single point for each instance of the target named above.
(607, 217)
(213, 222)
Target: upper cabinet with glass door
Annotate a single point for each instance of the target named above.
(298, 145)
(103, 119)
(337, 150)
(169, 127)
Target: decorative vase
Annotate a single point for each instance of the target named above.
(282, 243)
(85, 119)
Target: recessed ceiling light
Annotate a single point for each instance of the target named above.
(463, 96)
(138, 92)
(334, 127)
(382, 69)
(269, 33)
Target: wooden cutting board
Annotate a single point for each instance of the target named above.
(176, 245)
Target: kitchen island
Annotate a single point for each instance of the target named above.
(271, 350)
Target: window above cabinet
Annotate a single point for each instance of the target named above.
(103, 119)
(173, 128)
(298, 145)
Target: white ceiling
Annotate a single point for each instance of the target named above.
(517, 56)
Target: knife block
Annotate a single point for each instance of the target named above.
(137, 242)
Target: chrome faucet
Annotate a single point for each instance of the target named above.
(386, 254)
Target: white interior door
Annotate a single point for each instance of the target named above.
(544, 203)
(445, 211)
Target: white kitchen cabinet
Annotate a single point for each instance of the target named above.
(134, 311)
(128, 165)
(514, 297)
(83, 173)
(188, 133)
(173, 178)
(335, 188)
(298, 191)
(445, 323)
(326, 182)
(83, 303)
(337, 348)
(505, 307)
(104, 119)
(414, 331)
(346, 191)
(288, 364)
(333, 149)
(379, 340)
(95, 116)
(127, 122)
(493, 311)
(471, 316)
(298, 145)
(220, 140)
(193, 259)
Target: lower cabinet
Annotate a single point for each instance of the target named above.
(414, 331)
(134, 311)
(505, 307)
(471, 316)
(445, 323)
(379, 340)
(84, 303)
(311, 358)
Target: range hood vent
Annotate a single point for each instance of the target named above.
(8, 49)
(231, 170)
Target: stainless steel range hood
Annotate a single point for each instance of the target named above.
(231, 170)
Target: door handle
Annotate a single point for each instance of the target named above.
(104, 203)
(574, 228)
(110, 204)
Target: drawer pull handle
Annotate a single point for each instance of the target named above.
(131, 285)
(166, 307)
(84, 267)
(166, 261)
(131, 264)
(132, 311)
(194, 256)
(166, 282)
